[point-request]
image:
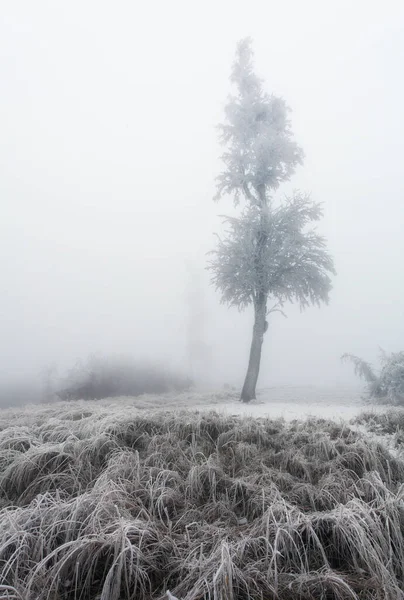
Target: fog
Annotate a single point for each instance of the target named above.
(108, 159)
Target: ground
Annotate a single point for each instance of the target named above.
(296, 402)
(288, 402)
(129, 498)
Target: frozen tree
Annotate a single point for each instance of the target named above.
(270, 254)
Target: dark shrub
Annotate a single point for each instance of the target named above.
(105, 377)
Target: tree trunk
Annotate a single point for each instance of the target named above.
(251, 378)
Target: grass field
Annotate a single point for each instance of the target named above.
(112, 501)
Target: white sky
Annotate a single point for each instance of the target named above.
(108, 155)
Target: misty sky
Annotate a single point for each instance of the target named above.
(108, 154)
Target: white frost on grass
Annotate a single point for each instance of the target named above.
(84, 483)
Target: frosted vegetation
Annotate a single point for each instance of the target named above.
(387, 385)
(103, 377)
(109, 503)
(96, 377)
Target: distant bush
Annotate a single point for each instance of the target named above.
(106, 377)
(388, 384)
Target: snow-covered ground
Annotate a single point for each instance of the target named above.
(288, 402)
(297, 402)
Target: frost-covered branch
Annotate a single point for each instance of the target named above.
(292, 264)
(388, 384)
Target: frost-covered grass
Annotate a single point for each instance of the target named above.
(113, 502)
(389, 423)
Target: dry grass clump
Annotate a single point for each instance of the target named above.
(388, 425)
(388, 422)
(108, 505)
